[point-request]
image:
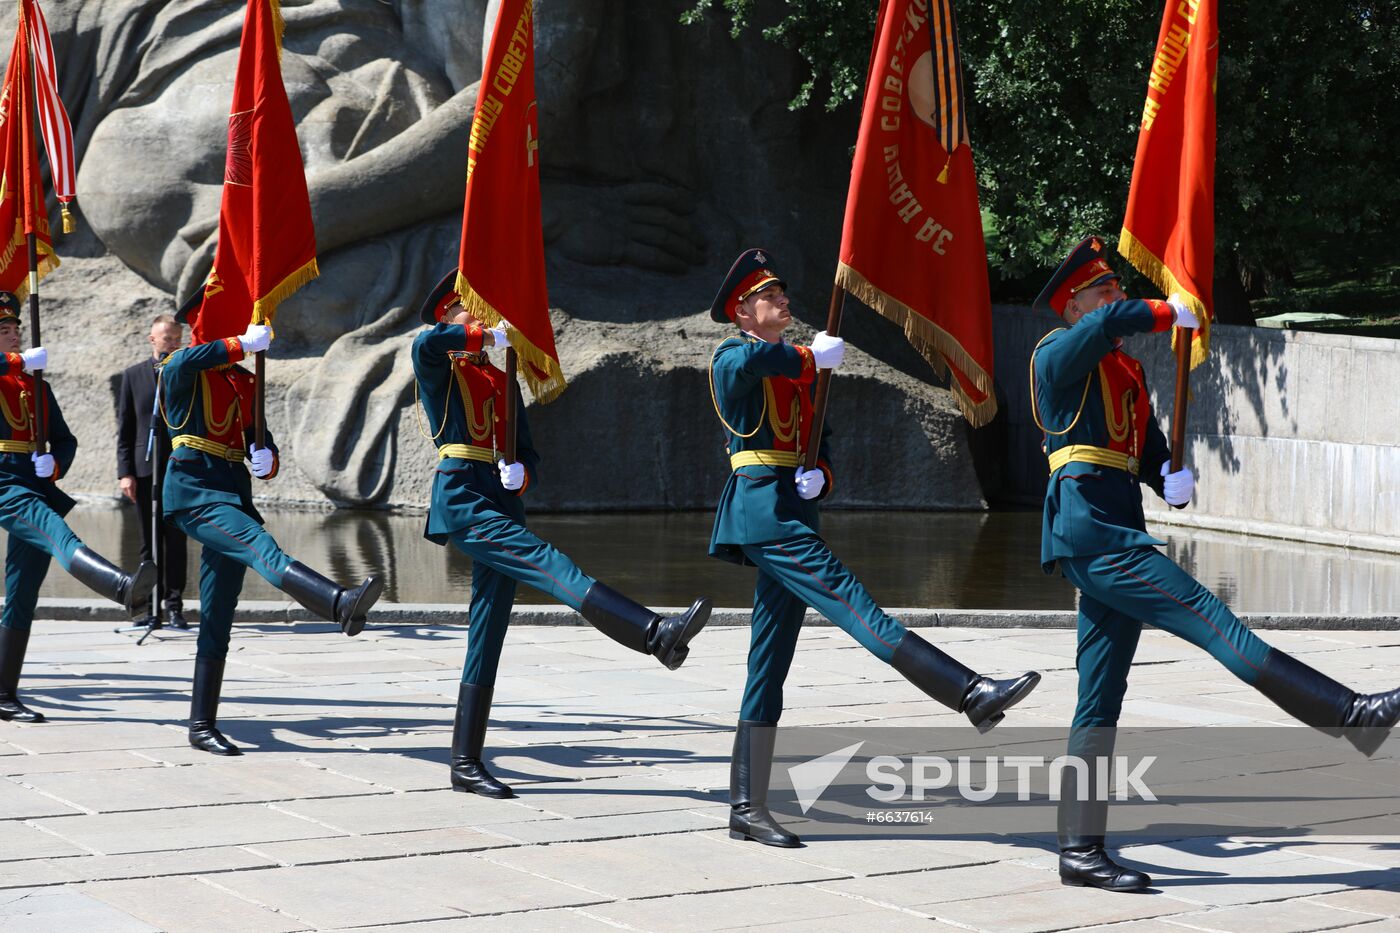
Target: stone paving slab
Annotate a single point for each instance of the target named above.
(195, 905)
(420, 888)
(765, 908)
(190, 827)
(62, 911)
(339, 816)
(1302, 916)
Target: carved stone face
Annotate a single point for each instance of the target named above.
(151, 175)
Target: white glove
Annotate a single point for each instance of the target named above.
(1177, 487)
(43, 464)
(512, 475)
(827, 350)
(498, 336)
(810, 483)
(256, 339)
(262, 460)
(36, 358)
(1185, 317)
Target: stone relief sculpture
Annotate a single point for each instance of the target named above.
(666, 149)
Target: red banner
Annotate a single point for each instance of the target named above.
(1169, 226)
(267, 244)
(500, 275)
(53, 118)
(22, 209)
(912, 245)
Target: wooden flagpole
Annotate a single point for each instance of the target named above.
(833, 328)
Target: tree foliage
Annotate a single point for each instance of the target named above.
(1306, 106)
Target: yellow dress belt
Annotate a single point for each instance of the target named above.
(1100, 456)
(774, 458)
(466, 452)
(18, 447)
(205, 445)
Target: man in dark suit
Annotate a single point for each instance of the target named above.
(135, 456)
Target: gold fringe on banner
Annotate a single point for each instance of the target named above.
(1146, 262)
(544, 390)
(48, 259)
(936, 345)
(279, 25)
(265, 308)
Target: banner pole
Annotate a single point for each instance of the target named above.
(41, 433)
(833, 327)
(510, 435)
(1183, 375)
(260, 399)
(41, 422)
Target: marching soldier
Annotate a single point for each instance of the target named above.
(768, 517)
(1091, 402)
(207, 401)
(32, 509)
(476, 505)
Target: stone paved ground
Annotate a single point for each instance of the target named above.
(339, 816)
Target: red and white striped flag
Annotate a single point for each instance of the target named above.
(53, 119)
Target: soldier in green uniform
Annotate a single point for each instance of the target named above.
(476, 505)
(1103, 443)
(207, 401)
(768, 517)
(32, 508)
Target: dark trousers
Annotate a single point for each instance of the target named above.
(504, 552)
(793, 575)
(37, 533)
(1118, 593)
(176, 559)
(233, 541)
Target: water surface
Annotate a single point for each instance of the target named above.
(956, 560)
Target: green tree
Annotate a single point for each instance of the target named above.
(1306, 109)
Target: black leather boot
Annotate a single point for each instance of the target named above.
(347, 607)
(102, 577)
(1089, 866)
(1319, 701)
(1082, 820)
(469, 774)
(637, 627)
(204, 708)
(13, 643)
(957, 687)
(174, 612)
(749, 770)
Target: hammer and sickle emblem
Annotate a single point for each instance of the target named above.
(532, 145)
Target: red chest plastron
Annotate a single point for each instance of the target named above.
(17, 405)
(227, 396)
(789, 412)
(482, 389)
(1126, 404)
